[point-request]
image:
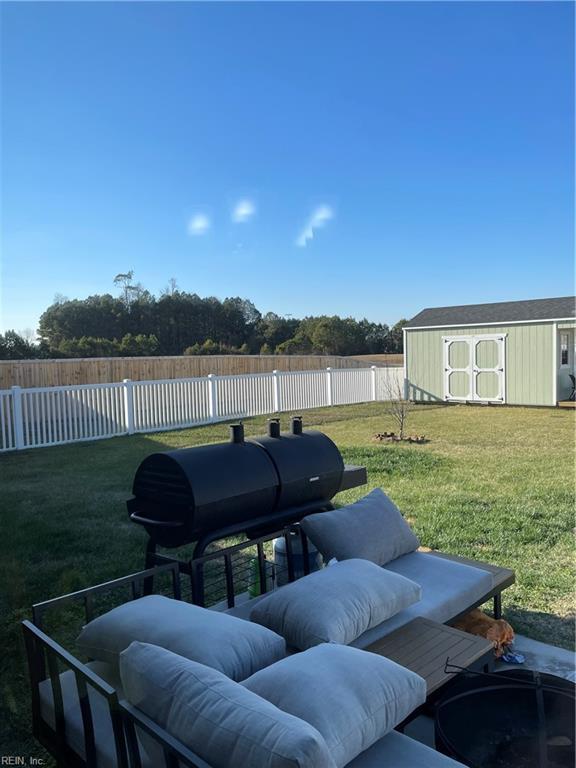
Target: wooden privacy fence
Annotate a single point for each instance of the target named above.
(43, 416)
(102, 370)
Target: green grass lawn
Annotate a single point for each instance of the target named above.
(496, 484)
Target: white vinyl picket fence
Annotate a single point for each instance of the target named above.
(41, 416)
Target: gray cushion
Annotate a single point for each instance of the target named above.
(74, 728)
(448, 588)
(372, 528)
(398, 751)
(351, 697)
(150, 752)
(336, 604)
(235, 647)
(218, 719)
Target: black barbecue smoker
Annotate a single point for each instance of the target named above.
(250, 486)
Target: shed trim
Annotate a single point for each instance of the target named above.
(405, 364)
(482, 325)
(554, 363)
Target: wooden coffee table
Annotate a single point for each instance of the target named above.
(423, 646)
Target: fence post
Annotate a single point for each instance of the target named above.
(373, 379)
(212, 397)
(129, 405)
(329, 385)
(18, 419)
(276, 383)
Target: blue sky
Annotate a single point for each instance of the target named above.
(364, 159)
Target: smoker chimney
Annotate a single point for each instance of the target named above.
(273, 427)
(237, 433)
(296, 425)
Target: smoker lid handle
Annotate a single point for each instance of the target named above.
(147, 521)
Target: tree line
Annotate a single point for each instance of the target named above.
(136, 323)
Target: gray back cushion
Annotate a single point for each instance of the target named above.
(236, 647)
(352, 697)
(219, 720)
(336, 604)
(372, 528)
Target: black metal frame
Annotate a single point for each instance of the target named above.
(126, 720)
(136, 582)
(175, 753)
(253, 528)
(194, 568)
(41, 649)
(46, 656)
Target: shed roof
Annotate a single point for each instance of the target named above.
(501, 312)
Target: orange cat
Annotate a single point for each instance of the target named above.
(497, 630)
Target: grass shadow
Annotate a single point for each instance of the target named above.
(542, 626)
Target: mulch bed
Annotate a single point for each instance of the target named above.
(392, 437)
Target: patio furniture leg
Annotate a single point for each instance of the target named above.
(498, 606)
(148, 585)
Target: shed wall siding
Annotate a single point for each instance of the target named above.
(530, 361)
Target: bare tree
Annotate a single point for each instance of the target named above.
(171, 288)
(28, 335)
(394, 404)
(125, 280)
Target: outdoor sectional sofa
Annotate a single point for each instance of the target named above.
(83, 714)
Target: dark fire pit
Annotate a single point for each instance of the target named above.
(511, 719)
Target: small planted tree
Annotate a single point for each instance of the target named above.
(394, 404)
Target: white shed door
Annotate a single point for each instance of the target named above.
(474, 368)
